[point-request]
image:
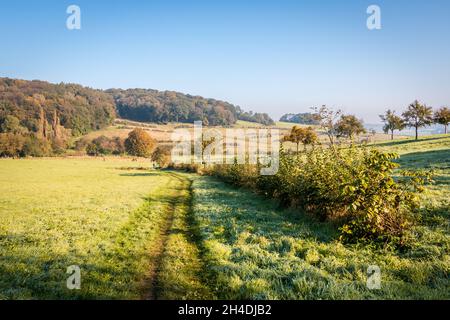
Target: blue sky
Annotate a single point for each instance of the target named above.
(267, 56)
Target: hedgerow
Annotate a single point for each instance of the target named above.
(354, 187)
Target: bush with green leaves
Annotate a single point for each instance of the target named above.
(352, 186)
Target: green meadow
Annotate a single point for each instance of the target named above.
(138, 233)
(108, 217)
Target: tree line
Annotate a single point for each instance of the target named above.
(38, 118)
(417, 115)
(147, 105)
(300, 118)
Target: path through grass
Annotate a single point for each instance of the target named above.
(126, 229)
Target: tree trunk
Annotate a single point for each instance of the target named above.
(392, 135)
(445, 130)
(417, 133)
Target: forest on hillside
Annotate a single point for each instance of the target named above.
(147, 105)
(38, 118)
(38, 104)
(300, 118)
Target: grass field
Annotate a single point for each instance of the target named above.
(257, 251)
(143, 234)
(108, 217)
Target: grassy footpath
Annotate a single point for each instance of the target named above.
(181, 269)
(108, 217)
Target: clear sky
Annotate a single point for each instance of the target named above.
(267, 56)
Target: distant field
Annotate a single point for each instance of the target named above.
(163, 132)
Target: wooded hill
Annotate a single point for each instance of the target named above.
(41, 107)
(147, 105)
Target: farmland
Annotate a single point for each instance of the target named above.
(138, 233)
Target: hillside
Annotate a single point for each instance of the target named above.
(39, 104)
(147, 105)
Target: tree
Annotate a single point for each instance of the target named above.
(417, 116)
(306, 136)
(392, 122)
(301, 118)
(310, 137)
(327, 118)
(11, 144)
(295, 136)
(349, 126)
(11, 124)
(104, 145)
(139, 143)
(442, 116)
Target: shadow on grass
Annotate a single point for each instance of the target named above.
(406, 141)
(435, 159)
(140, 174)
(242, 210)
(43, 276)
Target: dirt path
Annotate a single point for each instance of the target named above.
(176, 267)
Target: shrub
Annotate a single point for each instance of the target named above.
(18, 145)
(139, 143)
(354, 187)
(36, 147)
(104, 146)
(162, 156)
(11, 144)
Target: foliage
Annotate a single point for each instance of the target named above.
(11, 144)
(262, 118)
(327, 121)
(35, 103)
(168, 106)
(162, 156)
(352, 186)
(12, 125)
(442, 116)
(103, 146)
(392, 122)
(18, 145)
(349, 126)
(418, 115)
(306, 136)
(307, 118)
(139, 143)
(259, 251)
